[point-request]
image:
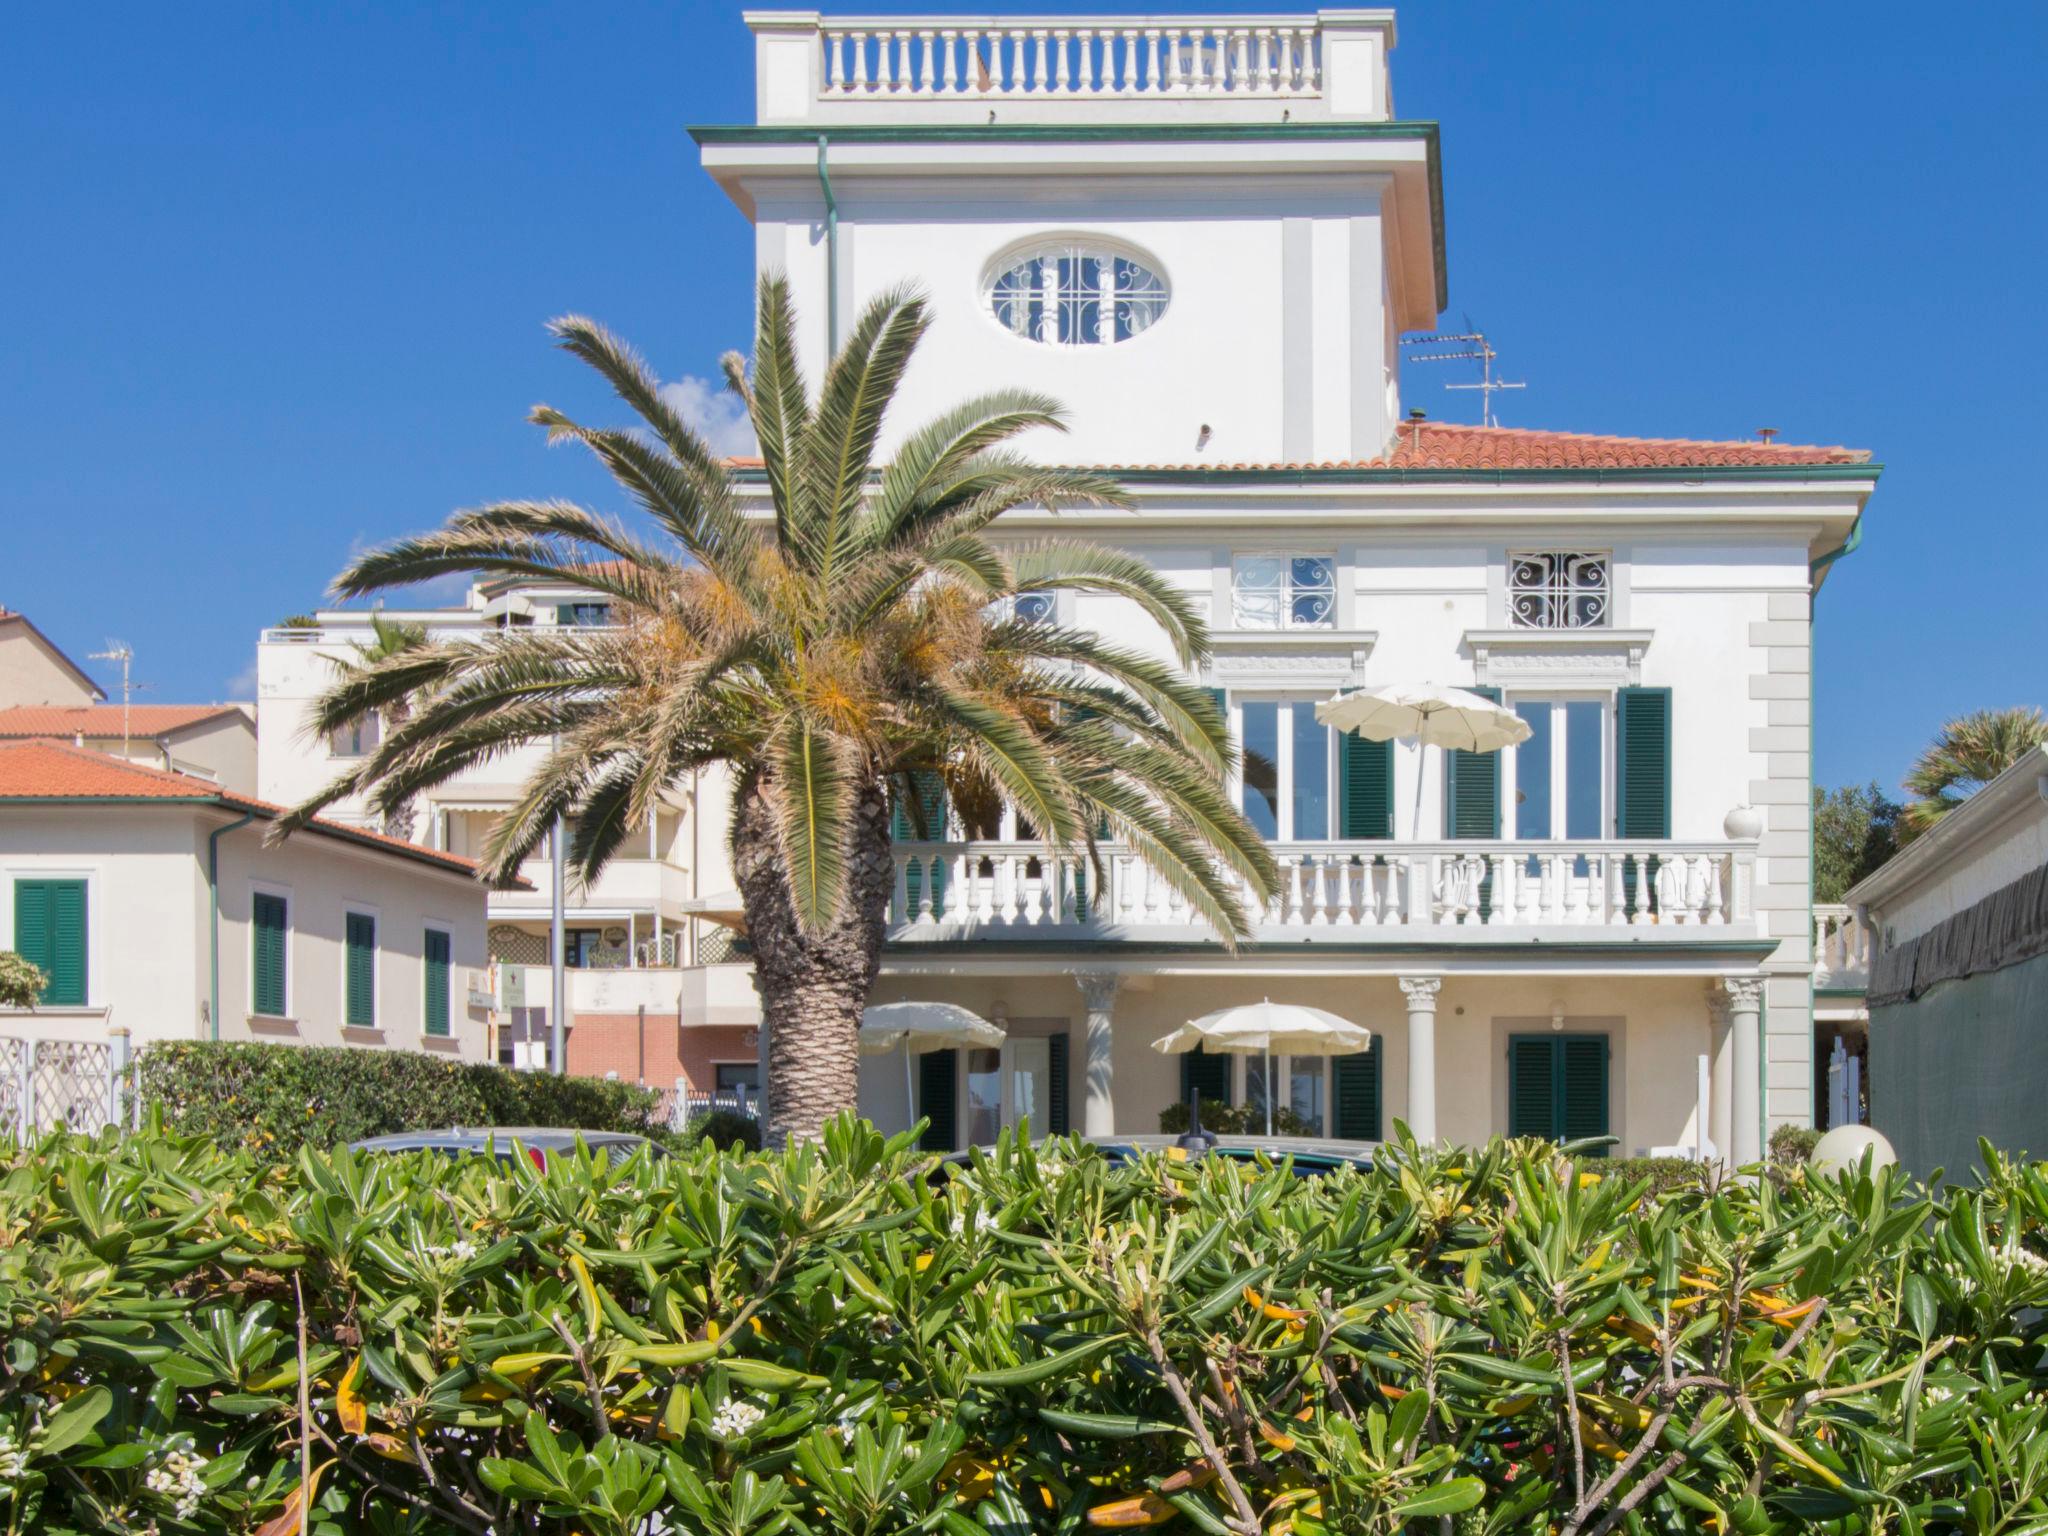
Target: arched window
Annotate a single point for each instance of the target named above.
(1072, 294)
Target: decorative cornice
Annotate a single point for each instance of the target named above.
(1596, 656)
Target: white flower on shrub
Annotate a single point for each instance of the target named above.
(13, 1460)
(983, 1222)
(735, 1417)
(177, 1478)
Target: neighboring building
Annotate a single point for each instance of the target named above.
(657, 989)
(1206, 237)
(33, 670)
(216, 742)
(152, 903)
(1959, 978)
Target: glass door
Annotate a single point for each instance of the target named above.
(1027, 1083)
(1556, 784)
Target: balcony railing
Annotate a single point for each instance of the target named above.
(1080, 58)
(951, 889)
(1841, 947)
(1327, 64)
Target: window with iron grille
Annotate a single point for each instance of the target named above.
(1283, 592)
(1558, 589)
(1035, 607)
(1073, 295)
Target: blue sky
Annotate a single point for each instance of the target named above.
(275, 276)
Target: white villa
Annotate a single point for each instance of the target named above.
(1206, 236)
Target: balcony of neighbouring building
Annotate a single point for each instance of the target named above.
(893, 70)
(1841, 948)
(1340, 892)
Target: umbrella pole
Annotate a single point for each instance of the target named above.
(1421, 766)
(909, 1094)
(1269, 1090)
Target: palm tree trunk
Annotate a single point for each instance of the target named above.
(813, 986)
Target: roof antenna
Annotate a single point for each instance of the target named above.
(1471, 346)
(118, 651)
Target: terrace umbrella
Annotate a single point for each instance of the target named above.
(921, 1027)
(1251, 1029)
(1431, 715)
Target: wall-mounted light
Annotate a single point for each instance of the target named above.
(1557, 1015)
(1202, 437)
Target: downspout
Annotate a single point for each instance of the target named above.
(831, 252)
(213, 915)
(1814, 567)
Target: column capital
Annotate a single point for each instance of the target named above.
(1745, 993)
(1098, 989)
(1422, 991)
(1717, 1002)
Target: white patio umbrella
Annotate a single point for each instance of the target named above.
(1430, 714)
(921, 1027)
(1251, 1029)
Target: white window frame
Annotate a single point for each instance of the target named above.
(1606, 557)
(375, 914)
(291, 970)
(1283, 1072)
(1287, 590)
(1559, 762)
(1057, 247)
(1283, 765)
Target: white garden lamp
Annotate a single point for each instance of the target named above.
(1252, 1029)
(1429, 714)
(921, 1027)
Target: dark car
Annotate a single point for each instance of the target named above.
(1310, 1156)
(504, 1142)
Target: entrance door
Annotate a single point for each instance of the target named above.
(1027, 1083)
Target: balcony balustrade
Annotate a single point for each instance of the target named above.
(1328, 64)
(1841, 948)
(949, 890)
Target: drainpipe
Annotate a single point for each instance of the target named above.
(213, 915)
(1814, 567)
(831, 253)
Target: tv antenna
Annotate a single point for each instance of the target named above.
(118, 650)
(1470, 346)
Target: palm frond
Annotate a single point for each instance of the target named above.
(840, 445)
(1062, 566)
(1010, 752)
(777, 401)
(812, 804)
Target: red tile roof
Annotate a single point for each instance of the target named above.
(1444, 445)
(33, 771)
(66, 721)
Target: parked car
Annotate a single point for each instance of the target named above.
(540, 1142)
(1310, 1156)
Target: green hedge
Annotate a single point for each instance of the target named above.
(855, 1339)
(277, 1098)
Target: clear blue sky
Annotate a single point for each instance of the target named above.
(274, 280)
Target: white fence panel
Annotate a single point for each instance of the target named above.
(48, 1083)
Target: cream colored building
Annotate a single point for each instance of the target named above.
(154, 905)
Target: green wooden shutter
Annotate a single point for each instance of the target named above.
(1056, 1123)
(1365, 787)
(1642, 778)
(1532, 1086)
(361, 1004)
(49, 930)
(267, 929)
(936, 1087)
(1642, 762)
(436, 952)
(1472, 788)
(1582, 1088)
(1208, 1072)
(1355, 1094)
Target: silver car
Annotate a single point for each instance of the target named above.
(539, 1142)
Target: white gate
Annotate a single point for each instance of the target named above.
(47, 1083)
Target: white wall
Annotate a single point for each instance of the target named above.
(147, 926)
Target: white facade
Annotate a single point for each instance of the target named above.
(1217, 267)
(151, 937)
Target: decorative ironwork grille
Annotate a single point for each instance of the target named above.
(1555, 589)
(1072, 296)
(515, 946)
(1034, 607)
(1284, 592)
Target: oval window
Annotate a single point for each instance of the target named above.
(1074, 295)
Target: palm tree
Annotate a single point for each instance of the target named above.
(1969, 753)
(832, 639)
(390, 638)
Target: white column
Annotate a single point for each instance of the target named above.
(1745, 1003)
(1421, 992)
(1098, 1101)
(1721, 1112)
